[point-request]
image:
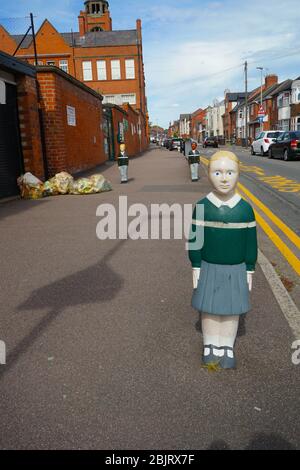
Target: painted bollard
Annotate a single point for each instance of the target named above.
(194, 160)
(123, 162)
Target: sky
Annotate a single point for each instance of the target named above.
(194, 50)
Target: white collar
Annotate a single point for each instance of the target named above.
(218, 202)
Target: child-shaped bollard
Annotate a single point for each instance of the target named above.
(123, 162)
(224, 266)
(194, 160)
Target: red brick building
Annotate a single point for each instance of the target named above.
(229, 118)
(198, 124)
(110, 62)
(173, 130)
(271, 83)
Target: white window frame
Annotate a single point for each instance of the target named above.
(130, 69)
(87, 71)
(129, 98)
(286, 100)
(101, 70)
(109, 99)
(115, 69)
(64, 65)
(284, 125)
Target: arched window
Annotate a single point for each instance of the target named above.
(96, 28)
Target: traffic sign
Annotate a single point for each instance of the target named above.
(261, 119)
(261, 111)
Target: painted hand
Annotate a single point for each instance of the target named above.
(249, 280)
(196, 275)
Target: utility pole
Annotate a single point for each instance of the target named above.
(261, 95)
(246, 103)
(34, 41)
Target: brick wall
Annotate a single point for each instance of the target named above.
(295, 110)
(134, 144)
(30, 126)
(70, 148)
(137, 136)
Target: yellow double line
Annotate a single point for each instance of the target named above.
(292, 259)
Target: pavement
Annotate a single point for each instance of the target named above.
(103, 346)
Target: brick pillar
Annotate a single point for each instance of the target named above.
(53, 122)
(30, 126)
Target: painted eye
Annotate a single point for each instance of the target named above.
(230, 173)
(217, 173)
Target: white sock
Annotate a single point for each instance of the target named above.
(229, 331)
(211, 331)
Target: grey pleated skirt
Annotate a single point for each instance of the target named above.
(222, 290)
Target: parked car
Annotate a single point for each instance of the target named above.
(167, 143)
(175, 144)
(264, 140)
(210, 142)
(286, 147)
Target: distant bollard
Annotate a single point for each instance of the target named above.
(123, 162)
(194, 160)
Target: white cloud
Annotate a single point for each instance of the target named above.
(188, 65)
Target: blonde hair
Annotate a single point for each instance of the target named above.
(224, 154)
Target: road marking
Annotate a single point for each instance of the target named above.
(281, 225)
(283, 248)
(282, 184)
(253, 169)
(286, 303)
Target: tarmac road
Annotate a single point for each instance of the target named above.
(103, 346)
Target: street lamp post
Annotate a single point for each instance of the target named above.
(261, 94)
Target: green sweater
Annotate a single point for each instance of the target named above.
(230, 235)
(123, 160)
(194, 157)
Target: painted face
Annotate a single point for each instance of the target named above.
(122, 147)
(224, 175)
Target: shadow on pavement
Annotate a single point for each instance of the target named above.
(95, 284)
(14, 207)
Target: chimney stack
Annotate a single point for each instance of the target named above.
(270, 80)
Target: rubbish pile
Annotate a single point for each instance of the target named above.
(62, 183)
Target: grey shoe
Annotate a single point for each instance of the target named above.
(211, 358)
(227, 362)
